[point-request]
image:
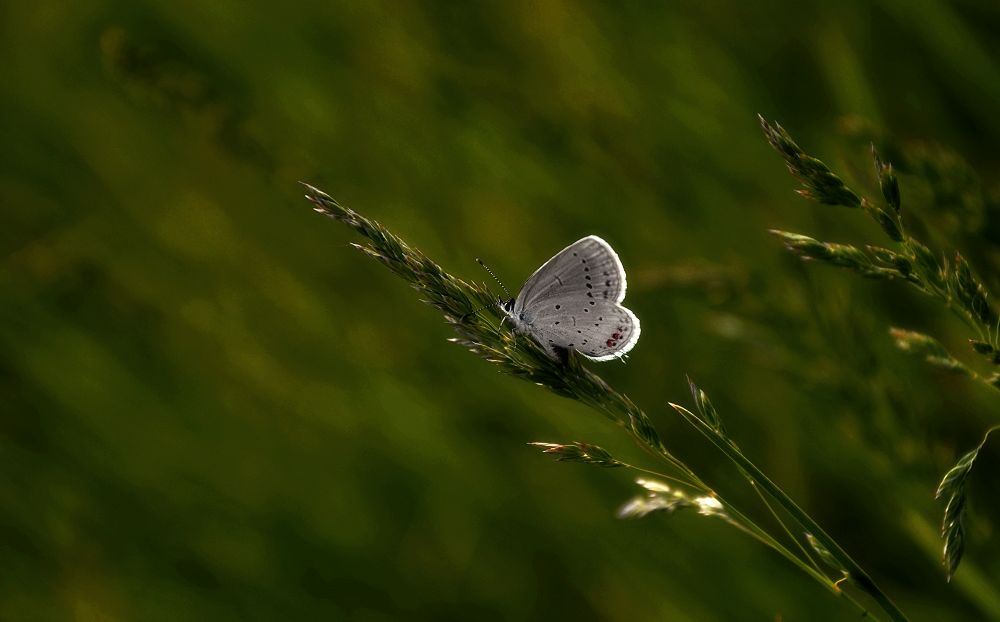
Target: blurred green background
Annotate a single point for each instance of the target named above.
(213, 408)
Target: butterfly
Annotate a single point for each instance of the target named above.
(573, 302)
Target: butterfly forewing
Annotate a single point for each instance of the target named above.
(588, 267)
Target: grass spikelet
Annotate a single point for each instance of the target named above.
(887, 181)
(952, 489)
(928, 348)
(840, 255)
(971, 294)
(889, 221)
(954, 284)
(661, 497)
(579, 452)
(818, 181)
(708, 413)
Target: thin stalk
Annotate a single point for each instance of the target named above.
(857, 574)
(986, 436)
(748, 526)
(745, 524)
(791, 536)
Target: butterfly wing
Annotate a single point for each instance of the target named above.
(600, 330)
(572, 302)
(588, 267)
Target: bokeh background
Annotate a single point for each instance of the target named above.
(214, 408)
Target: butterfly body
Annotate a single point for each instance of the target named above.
(573, 302)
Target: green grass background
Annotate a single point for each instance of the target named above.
(213, 408)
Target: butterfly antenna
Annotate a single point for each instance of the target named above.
(495, 304)
(499, 282)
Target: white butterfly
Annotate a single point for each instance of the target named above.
(572, 302)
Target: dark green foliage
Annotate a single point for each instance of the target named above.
(213, 408)
(953, 284)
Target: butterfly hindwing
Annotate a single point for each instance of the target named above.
(602, 331)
